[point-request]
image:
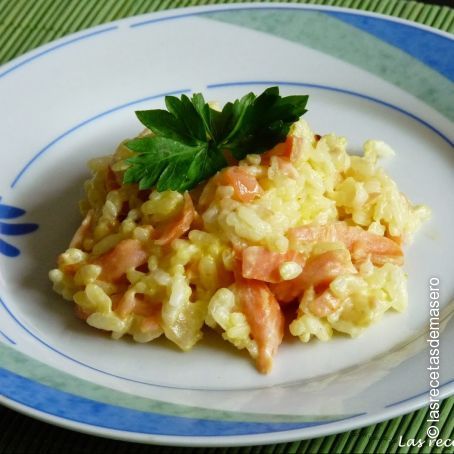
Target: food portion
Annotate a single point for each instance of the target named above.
(242, 220)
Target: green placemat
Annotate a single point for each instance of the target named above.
(26, 24)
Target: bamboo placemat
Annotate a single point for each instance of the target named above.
(26, 24)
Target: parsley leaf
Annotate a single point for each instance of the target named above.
(190, 138)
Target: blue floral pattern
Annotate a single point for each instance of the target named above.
(12, 229)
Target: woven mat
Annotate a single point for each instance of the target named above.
(26, 24)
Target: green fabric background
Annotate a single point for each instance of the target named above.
(26, 24)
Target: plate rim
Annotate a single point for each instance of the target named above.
(265, 438)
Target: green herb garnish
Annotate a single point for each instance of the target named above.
(190, 138)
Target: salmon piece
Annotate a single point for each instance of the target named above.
(287, 149)
(81, 232)
(265, 319)
(263, 265)
(125, 255)
(150, 323)
(359, 242)
(335, 231)
(319, 271)
(179, 226)
(281, 149)
(324, 304)
(145, 307)
(381, 250)
(245, 186)
(237, 262)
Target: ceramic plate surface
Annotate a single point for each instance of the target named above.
(368, 76)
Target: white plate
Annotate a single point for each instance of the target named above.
(74, 99)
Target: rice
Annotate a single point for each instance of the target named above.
(174, 287)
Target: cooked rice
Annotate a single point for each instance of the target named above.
(190, 282)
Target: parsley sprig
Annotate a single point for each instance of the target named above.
(190, 139)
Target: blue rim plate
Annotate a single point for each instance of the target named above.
(368, 76)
